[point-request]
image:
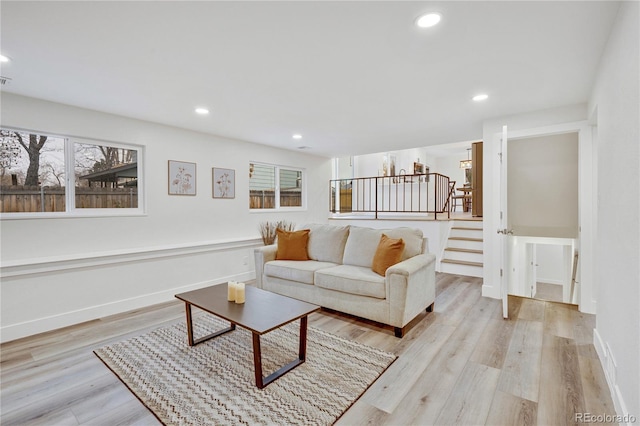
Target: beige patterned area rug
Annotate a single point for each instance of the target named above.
(214, 382)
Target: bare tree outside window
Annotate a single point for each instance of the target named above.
(30, 158)
(105, 176)
(35, 144)
(9, 154)
(33, 174)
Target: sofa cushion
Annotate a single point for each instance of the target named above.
(326, 242)
(352, 279)
(361, 246)
(292, 245)
(412, 238)
(363, 242)
(388, 253)
(295, 270)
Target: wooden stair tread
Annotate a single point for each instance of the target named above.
(462, 262)
(466, 239)
(463, 250)
(465, 228)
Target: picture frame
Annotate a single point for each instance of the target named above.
(223, 184)
(182, 178)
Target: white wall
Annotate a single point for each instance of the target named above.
(57, 272)
(345, 168)
(543, 186)
(614, 103)
(549, 261)
(369, 165)
(450, 166)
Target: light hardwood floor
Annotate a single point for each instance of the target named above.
(548, 292)
(462, 364)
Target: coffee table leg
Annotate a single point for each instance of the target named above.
(191, 340)
(257, 360)
(189, 324)
(261, 382)
(302, 354)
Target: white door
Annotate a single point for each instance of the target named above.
(533, 268)
(513, 231)
(504, 230)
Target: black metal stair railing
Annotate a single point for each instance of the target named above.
(423, 193)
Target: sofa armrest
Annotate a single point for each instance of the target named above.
(411, 287)
(261, 256)
(411, 265)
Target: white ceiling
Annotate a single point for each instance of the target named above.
(352, 77)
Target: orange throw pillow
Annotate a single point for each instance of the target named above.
(292, 245)
(388, 253)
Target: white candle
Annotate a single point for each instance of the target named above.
(231, 291)
(240, 293)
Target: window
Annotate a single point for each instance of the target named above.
(106, 176)
(54, 175)
(274, 187)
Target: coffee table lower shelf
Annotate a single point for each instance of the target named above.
(216, 306)
(261, 381)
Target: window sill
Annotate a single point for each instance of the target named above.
(280, 210)
(88, 213)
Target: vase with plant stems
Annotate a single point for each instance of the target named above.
(269, 230)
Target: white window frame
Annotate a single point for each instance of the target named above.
(303, 189)
(70, 184)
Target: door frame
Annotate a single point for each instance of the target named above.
(587, 186)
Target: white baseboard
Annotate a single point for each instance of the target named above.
(618, 401)
(491, 291)
(44, 324)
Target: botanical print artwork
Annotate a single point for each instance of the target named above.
(224, 183)
(182, 178)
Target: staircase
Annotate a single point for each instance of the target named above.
(463, 254)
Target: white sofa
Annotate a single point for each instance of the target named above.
(339, 274)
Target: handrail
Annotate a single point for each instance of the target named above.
(417, 193)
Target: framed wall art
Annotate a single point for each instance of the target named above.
(182, 178)
(224, 183)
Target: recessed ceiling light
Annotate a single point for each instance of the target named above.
(428, 20)
(4, 59)
(202, 111)
(480, 97)
(297, 136)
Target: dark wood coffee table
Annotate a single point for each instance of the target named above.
(261, 313)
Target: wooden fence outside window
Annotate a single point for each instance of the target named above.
(30, 199)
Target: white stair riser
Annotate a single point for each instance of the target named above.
(469, 271)
(468, 224)
(462, 255)
(466, 233)
(473, 245)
